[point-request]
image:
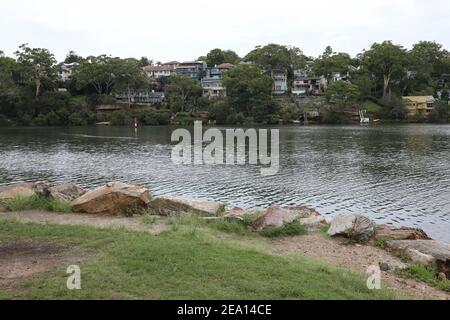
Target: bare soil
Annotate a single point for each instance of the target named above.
(135, 223)
(21, 260)
(357, 257)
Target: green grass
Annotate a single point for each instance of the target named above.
(371, 106)
(290, 230)
(426, 274)
(182, 265)
(37, 203)
(149, 219)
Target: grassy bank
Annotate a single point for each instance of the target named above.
(36, 203)
(191, 261)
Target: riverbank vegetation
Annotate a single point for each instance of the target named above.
(33, 93)
(121, 264)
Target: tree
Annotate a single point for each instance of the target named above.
(342, 94)
(249, 91)
(428, 57)
(270, 57)
(39, 65)
(330, 62)
(387, 62)
(144, 61)
(129, 76)
(181, 91)
(219, 56)
(72, 57)
(99, 72)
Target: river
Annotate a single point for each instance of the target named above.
(396, 174)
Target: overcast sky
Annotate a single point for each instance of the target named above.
(183, 30)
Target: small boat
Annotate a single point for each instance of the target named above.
(103, 123)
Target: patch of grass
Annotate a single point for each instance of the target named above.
(174, 265)
(290, 230)
(37, 203)
(149, 219)
(426, 274)
(233, 227)
(371, 106)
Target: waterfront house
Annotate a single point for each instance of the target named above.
(212, 84)
(66, 70)
(306, 86)
(280, 84)
(163, 70)
(192, 69)
(337, 76)
(141, 97)
(419, 105)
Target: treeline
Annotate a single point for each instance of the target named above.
(30, 88)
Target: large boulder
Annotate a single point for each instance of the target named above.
(355, 227)
(171, 206)
(424, 249)
(275, 217)
(113, 198)
(384, 232)
(61, 191)
(24, 190)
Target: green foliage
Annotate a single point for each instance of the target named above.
(149, 219)
(426, 274)
(342, 94)
(37, 203)
(183, 93)
(290, 230)
(218, 56)
(330, 62)
(440, 112)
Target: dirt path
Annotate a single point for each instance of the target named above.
(358, 258)
(136, 223)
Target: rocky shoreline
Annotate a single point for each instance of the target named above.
(118, 198)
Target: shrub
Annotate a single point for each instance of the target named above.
(37, 203)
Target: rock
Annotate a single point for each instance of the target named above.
(384, 232)
(314, 222)
(113, 198)
(170, 206)
(352, 226)
(441, 276)
(438, 250)
(302, 211)
(66, 191)
(419, 257)
(62, 191)
(275, 217)
(17, 190)
(235, 212)
(384, 267)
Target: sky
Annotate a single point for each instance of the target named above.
(180, 30)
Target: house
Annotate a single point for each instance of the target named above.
(419, 105)
(141, 97)
(192, 69)
(306, 86)
(66, 70)
(212, 84)
(337, 76)
(163, 70)
(279, 77)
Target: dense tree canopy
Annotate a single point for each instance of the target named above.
(219, 56)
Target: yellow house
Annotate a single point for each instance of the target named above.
(419, 105)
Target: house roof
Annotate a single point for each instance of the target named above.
(420, 99)
(170, 63)
(225, 66)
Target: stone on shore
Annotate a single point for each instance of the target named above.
(275, 217)
(111, 199)
(236, 212)
(65, 191)
(439, 251)
(384, 232)
(24, 190)
(302, 211)
(171, 206)
(314, 223)
(355, 227)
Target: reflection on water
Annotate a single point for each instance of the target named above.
(395, 174)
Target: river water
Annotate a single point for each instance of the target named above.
(394, 174)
